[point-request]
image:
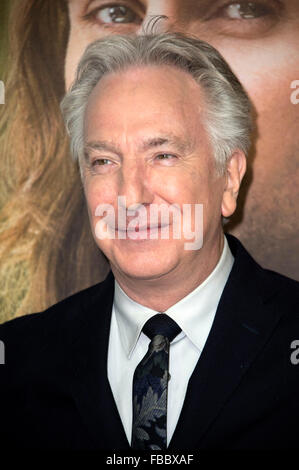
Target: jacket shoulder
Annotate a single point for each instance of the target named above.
(55, 321)
(250, 278)
(282, 291)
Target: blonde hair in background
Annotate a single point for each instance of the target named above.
(46, 248)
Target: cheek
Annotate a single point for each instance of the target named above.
(266, 71)
(176, 185)
(75, 48)
(265, 67)
(98, 192)
(79, 38)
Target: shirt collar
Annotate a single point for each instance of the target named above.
(194, 313)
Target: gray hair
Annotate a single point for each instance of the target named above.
(227, 117)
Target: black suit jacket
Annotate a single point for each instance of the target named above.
(243, 393)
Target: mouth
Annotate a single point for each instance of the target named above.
(142, 233)
(144, 228)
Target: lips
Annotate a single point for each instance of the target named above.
(142, 228)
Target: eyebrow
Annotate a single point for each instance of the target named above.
(90, 2)
(174, 141)
(147, 144)
(101, 145)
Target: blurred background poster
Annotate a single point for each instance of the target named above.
(46, 249)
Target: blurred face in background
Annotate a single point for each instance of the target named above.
(260, 41)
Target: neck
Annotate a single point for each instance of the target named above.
(163, 291)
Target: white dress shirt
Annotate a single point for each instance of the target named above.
(128, 344)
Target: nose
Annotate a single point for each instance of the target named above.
(134, 185)
(157, 17)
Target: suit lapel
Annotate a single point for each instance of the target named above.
(90, 386)
(242, 324)
(244, 321)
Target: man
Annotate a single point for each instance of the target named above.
(187, 343)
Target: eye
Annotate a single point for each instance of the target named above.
(114, 14)
(167, 158)
(164, 156)
(117, 14)
(246, 10)
(101, 162)
(101, 166)
(248, 20)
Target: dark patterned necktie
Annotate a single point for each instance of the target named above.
(150, 386)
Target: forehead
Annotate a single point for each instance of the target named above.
(145, 96)
(172, 81)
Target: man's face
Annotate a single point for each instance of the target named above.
(145, 142)
(259, 39)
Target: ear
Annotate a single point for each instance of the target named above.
(235, 171)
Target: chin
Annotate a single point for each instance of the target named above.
(144, 267)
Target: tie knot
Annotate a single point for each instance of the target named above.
(161, 324)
